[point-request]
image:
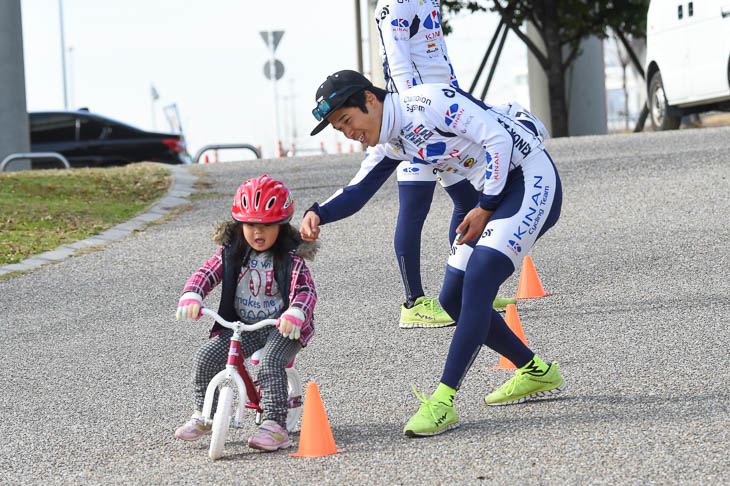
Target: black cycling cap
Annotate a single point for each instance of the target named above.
(333, 93)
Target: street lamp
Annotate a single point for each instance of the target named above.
(63, 55)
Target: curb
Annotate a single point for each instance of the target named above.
(179, 194)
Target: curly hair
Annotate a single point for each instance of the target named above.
(231, 232)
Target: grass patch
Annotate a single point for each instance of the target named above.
(43, 209)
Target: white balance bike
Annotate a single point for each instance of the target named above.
(235, 380)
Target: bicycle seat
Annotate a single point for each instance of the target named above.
(256, 357)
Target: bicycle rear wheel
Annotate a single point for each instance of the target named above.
(296, 396)
(221, 423)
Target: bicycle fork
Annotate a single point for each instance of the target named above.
(236, 372)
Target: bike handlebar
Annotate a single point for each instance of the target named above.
(238, 325)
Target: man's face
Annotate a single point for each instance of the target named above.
(359, 126)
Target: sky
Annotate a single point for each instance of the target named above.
(207, 57)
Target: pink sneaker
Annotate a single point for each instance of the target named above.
(270, 436)
(192, 429)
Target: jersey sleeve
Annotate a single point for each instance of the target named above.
(304, 295)
(379, 164)
(465, 116)
(395, 22)
(207, 276)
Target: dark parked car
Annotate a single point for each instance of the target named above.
(87, 139)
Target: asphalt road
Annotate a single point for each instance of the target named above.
(96, 369)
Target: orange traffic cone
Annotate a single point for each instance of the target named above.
(513, 322)
(529, 286)
(315, 439)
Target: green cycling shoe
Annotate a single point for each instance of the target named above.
(427, 312)
(501, 303)
(535, 379)
(433, 418)
(424, 312)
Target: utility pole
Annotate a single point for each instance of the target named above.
(358, 35)
(14, 133)
(63, 55)
(376, 62)
(274, 70)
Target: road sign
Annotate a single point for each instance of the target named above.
(273, 36)
(278, 69)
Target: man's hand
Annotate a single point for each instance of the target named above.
(309, 228)
(473, 225)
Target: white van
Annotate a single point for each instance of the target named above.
(687, 59)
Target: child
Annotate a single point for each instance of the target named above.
(261, 266)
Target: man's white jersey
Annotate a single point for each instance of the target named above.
(448, 130)
(412, 44)
(441, 128)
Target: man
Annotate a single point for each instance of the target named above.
(414, 52)
(500, 151)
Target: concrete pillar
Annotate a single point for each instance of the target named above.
(585, 89)
(14, 134)
(376, 61)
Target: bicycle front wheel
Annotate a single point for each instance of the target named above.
(221, 423)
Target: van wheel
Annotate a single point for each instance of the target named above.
(658, 107)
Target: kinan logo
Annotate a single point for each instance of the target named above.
(411, 170)
(451, 114)
(530, 222)
(492, 171)
(514, 246)
(401, 23)
(433, 21)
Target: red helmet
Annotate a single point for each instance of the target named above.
(263, 200)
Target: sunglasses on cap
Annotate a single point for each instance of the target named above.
(326, 106)
(322, 109)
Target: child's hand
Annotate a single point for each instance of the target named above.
(189, 306)
(290, 323)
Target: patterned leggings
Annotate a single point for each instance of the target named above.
(212, 356)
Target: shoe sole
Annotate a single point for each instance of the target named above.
(193, 438)
(414, 435)
(544, 393)
(413, 325)
(286, 445)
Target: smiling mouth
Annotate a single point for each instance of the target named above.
(259, 241)
(361, 138)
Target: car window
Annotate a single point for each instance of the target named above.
(120, 131)
(53, 128)
(90, 129)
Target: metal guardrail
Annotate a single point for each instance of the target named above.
(196, 159)
(34, 155)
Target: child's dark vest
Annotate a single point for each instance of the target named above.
(232, 261)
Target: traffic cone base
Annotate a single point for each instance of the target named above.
(315, 438)
(530, 286)
(504, 364)
(512, 318)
